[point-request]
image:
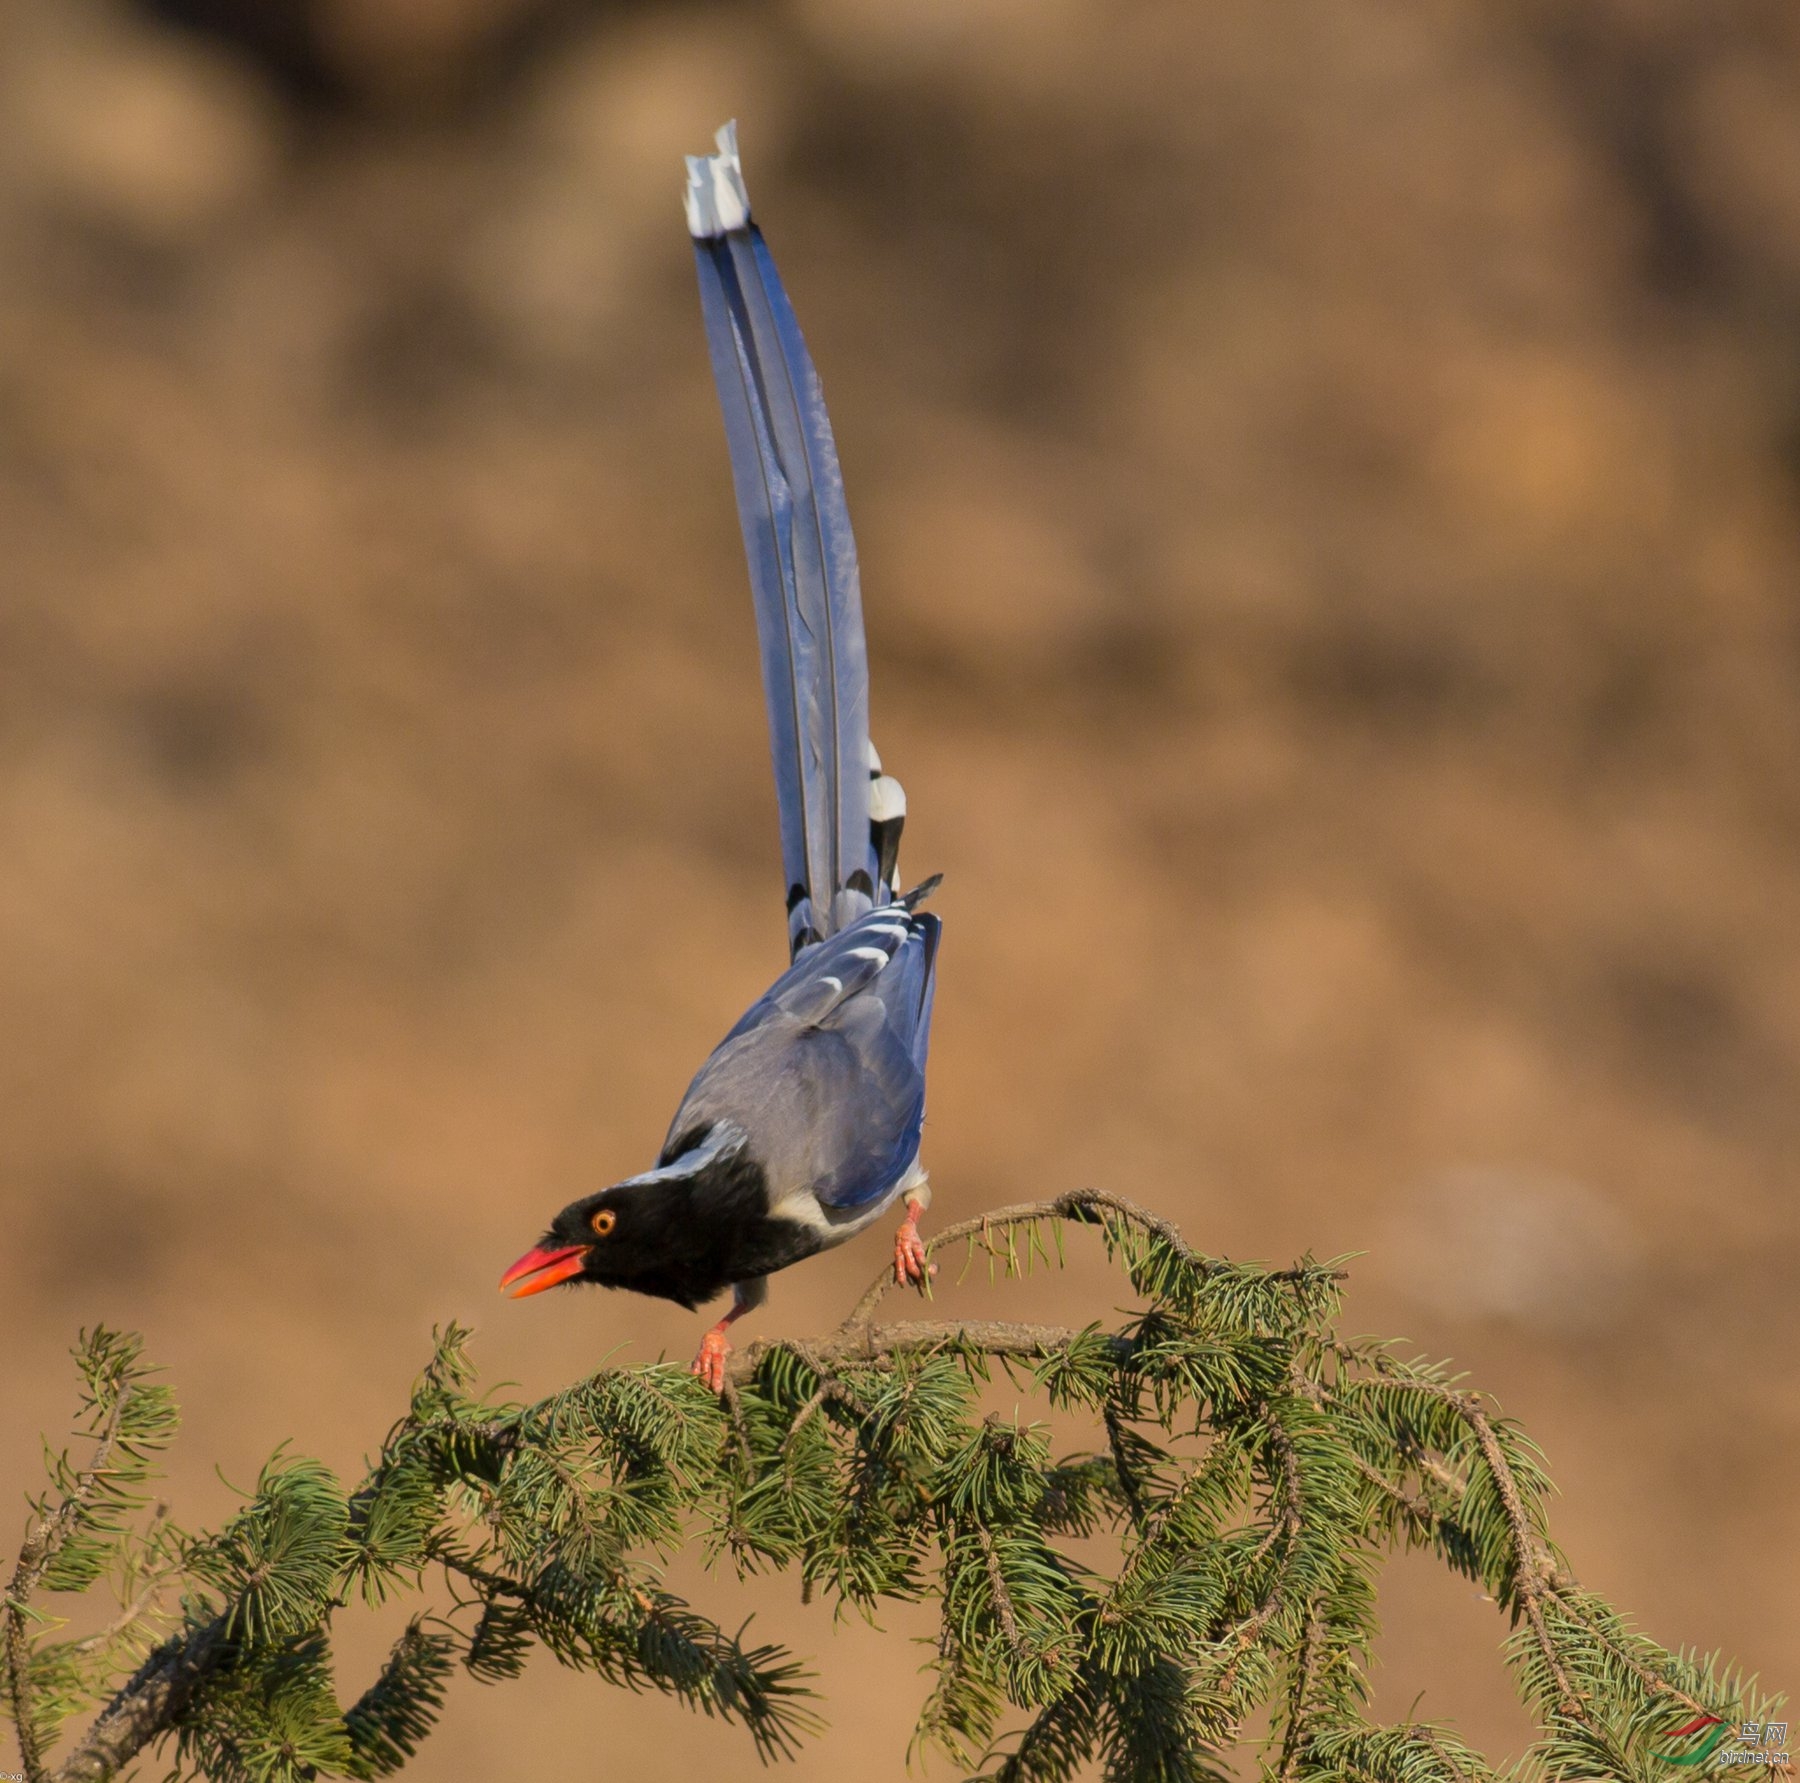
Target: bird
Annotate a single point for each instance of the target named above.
(804, 1124)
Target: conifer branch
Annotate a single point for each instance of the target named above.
(1084, 1207)
(878, 1343)
(148, 1705)
(44, 1540)
(734, 1410)
(1533, 1568)
(1284, 1529)
(1299, 1691)
(140, 1607)
(861, 1462)
(1428, 1736)
(18, 1658)
(1563, 1591)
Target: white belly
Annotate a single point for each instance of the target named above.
(836, 1224)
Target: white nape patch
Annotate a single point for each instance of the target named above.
(887, 799)
(870, 953)
(716, 201)
(726, 1138)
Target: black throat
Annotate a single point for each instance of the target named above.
(688, 1241)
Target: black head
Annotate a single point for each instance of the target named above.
(683, 1232)
(621, 1237)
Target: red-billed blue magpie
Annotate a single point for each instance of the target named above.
(804, 1124)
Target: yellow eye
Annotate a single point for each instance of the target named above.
(603, 1222)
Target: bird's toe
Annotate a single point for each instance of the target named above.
(909, 1255)
(709, 1365)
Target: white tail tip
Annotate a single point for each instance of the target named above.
(716, 200)
(887, 799)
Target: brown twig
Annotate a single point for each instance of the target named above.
(873, 1343)
(1561, 1588)
(804, 1416)
(734, 1410)
(18, 1657)
(1003, 1603)
(1417, 1510)
(1434, 1468)
(1533, 1569)
(1306, 1660)
(1428, 1736)
(1079, 1206)
(140, 1606)
(148, 1705)
(1285, 1528)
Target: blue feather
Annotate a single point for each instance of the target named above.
(828, 1066)
(870, 988)
(802, 557)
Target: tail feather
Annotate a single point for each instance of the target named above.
(887, 818)
(839, 825)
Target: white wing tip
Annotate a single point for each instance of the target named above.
(716, 200)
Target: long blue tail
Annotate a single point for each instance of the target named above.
(840, 816)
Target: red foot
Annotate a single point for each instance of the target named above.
(909, 1251)
(709, 1365)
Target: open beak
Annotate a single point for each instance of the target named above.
(538, 1270)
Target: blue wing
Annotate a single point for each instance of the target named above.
(796, 527)
(828, 1065)
(887, 1022)
(890, 944)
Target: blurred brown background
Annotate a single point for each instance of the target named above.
(1329, 487)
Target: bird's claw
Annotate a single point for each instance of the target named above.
(709, 1365)
(909, 1254)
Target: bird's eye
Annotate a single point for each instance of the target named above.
(603, 1222)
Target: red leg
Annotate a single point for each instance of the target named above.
(909, 1248)
(709, 1365)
